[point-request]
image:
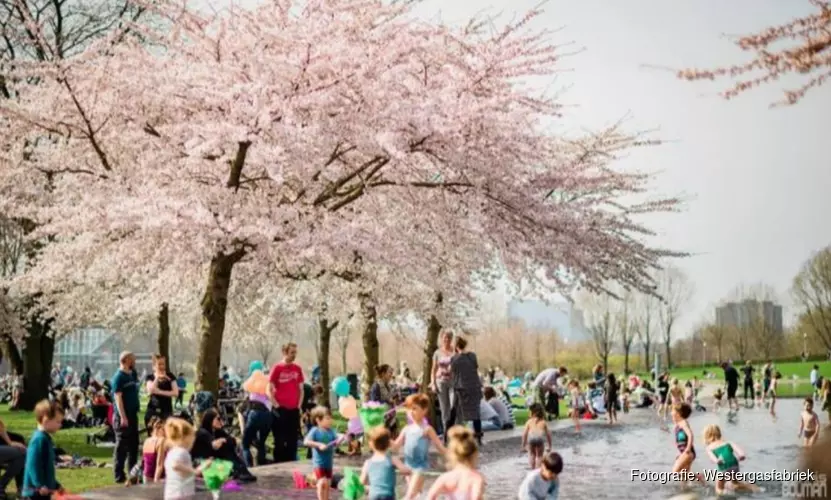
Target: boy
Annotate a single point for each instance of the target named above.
(322, 440)
(543, 483)
(809, 424)
(39, 482)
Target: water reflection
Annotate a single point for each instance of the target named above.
(599, 463)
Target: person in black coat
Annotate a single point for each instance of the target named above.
(213, 442)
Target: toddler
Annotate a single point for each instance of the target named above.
(809, 423)
(322, 440)
(416, 438)
(727, 456)
(462, 481)
(543, 483)
(39, 481)
(575, 403)
(689, 394)
(178, 464)
(379, 471)
(717, 399)
(535, 435)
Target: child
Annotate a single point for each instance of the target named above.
(178, 469)
(39, 482)
(683, 436)
(543, 484)
(757, 388)
(152, 452)
(826, 397)
(322, 439)
(334, 483)
(416, 438)
(727, 455)
(676, 394)
(182, 384)
(774, 385)
(809, 424)
(463, 480)
(689, 394)
(611, 398)
(575, 404)
(379, 471)
(535, 435)
(663, 394)
(717, 399)
(625, 397)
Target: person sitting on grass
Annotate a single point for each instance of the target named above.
(213, 442)
(12, 459)
(39, 481)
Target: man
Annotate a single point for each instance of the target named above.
(285, 387)
(12, 460)
(731, 377)
(125, 387)
(748, 370)
(546, 383)
(767, 373)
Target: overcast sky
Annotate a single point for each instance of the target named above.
(756, 176)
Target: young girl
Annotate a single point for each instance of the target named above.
(379, 471)
(535, 435)
(825, 394)
(683, 437)
(689, 394)
(727, 456)
(809, 424)
(463, 481)
(774, 385)
(153, 451)
(575, 403)
(178, 470)
(416, 438)
(676, 394)
(625, 399)
(757, 388)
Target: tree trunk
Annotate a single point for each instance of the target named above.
(369, 339)
(325, 336)
(343, 360)
(12, 354)
(626, 350)
(164, 334)
(37, 364)
(431, 343)
(646, 356)
(669, 355)
(214, 306)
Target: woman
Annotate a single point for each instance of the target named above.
(467, 388)
(440, 376)
(382, 392)
(213, 442)
(599, 377)
(162, 388)
(255, 419)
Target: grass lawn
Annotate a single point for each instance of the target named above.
(788, 385)
(74, 442)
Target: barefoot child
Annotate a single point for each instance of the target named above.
(544, 483)
(39, 482)
(727, 456)
(809, 424)
(178, 469)
(379, 471)
(610, 396)
(825, 394)
(535, 435)
(717, 399)
(322, 440)
(575, 403)
(774, 385)
(416, 439)
(683, 436)
(757, 388)
(152, 452)
(463, 481)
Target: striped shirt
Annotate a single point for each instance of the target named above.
(510, 408)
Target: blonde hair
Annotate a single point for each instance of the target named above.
(318, 413)
(178, 431)
(712, 433)
(462, 448)
(675, 381)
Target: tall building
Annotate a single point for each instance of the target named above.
(563, 317)
(748, 312)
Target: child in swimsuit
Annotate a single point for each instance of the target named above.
(774, 384)
(683, 436)
(543, 483)
(809, 424)
(379, 470)
(416, 439)
(152, 451)
(676, 394)
(757, 387)
(727, 456)
(717, 399)
(535, 436)
(462, 481)
(575, 404)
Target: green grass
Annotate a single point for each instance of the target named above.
(74, 442)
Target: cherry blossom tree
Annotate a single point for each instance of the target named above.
(212, 145)
(800, 47)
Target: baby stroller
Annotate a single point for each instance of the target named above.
(102, 415)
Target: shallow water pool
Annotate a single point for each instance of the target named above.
(599, 463)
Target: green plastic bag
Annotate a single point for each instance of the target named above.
(216, 474)
(352, 487)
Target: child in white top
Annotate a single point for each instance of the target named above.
(543, 483)
(178, 468)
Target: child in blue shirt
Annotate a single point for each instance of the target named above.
(322, 440)
(379, 470)
(39, 482)
(543, 483)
